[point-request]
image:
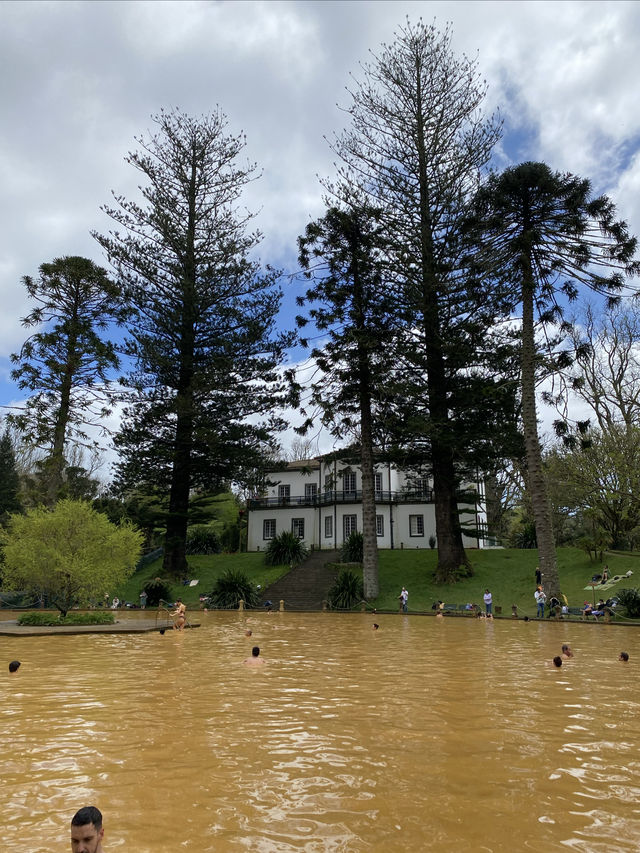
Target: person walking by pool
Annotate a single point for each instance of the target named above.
(87, 831)
(181, 615)
(404, 600)
(488, 602)
(540, 598)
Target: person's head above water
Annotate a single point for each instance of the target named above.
(557, 661)
(87, 831)
(255, 651)
(14, 666)
(624, 656)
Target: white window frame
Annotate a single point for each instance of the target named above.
(268, 523)
(349, 477)
(378, 482)
(310, 491)
(297, 527)
(328, 527)
(284, 492)
(416, 525)
(379, 525)
(349, 520)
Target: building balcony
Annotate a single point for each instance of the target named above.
(339, 497)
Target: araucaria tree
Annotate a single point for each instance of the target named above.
(341, 254)
(9, 479)
(67, 362)
(202, 333)
(541, 237)
(416, 146)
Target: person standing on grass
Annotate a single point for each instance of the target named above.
(540, 598)
(488, 602)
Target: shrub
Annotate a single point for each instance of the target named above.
(230, 537)
(52, 620)
(202, 539)
(285, 549)
(352, 548)
(630, 600)
(347, 591)
(230, 588)
(157, 590)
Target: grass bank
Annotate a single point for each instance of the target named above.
(508, 573)
(206, 569)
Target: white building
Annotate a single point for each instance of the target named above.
(320, 500)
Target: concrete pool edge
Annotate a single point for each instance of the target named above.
(139, 626)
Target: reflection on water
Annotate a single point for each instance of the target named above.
(450, 734)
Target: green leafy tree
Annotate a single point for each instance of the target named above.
(206, 380)
(601, 481)
(67, 362)
(416, 145)
(341, 254)
(71, 554)
(9, 479)
(540, 237)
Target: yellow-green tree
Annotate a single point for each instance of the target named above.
(71, 554)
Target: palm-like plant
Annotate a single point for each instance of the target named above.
(230, 588)
(285, 549)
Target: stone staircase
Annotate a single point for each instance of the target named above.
(305, 587)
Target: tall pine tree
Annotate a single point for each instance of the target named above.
(203, 331)
(416, 145)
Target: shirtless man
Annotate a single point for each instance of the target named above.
(87, 831)
(180, 614)
(567, 651)
(255, 659)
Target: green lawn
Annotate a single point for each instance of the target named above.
(206, 569)
(508, 573)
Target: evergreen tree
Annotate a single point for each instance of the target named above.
(202, 336)
(540, 237)
(416, 145)
(68, 361)
(9, 479)
(341, 254)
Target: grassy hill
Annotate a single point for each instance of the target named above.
(509, 574)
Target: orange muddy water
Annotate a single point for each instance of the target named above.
(428, 734)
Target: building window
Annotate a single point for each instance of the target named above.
(378, 485)
(284, 493)
(328, 526)
(422, 486)
(416, 525)
(297, 527)
(379, 525)
(349, 525)
(268, 528)
(310, 491)
(349, 481)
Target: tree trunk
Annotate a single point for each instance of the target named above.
(451, 553)
(538, 489)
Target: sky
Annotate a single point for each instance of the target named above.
(80, 80)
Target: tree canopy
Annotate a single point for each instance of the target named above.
(71, 555)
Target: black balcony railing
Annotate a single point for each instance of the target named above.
(341, 497)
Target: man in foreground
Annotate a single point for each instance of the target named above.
(87, 831)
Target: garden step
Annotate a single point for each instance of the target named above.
(305, 587)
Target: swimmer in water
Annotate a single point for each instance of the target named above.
(624, 657)
(255, 659)
(566, 651)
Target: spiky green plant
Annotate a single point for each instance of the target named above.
(347, 591)
(284, 549)
(352, 548)
(230, 588)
